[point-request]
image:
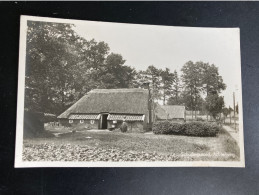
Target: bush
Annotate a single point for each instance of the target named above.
(202, 129)
(161, 127)
(168, 128)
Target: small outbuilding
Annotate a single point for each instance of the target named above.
(174, 113)
(107, 108)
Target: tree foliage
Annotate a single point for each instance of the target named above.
(62, 66)
(52, 50)
(212, 82)
(191, 78)
(226, 111)
(168, 80)
(152, 76)
(215, 104)
(115, 74)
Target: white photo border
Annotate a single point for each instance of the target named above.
(19, 163)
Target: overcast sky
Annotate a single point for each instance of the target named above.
(172, 47)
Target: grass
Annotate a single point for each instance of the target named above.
(220, 148)
(230, 144)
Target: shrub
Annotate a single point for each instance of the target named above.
(176, 128)
(167, 127)
(161, 127)
(202, 129)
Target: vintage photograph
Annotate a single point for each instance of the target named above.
(103, 94)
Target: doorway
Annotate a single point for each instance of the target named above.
(103, 124)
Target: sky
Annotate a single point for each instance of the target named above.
(172, 47)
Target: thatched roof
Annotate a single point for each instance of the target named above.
(122, 101)
(174, 111)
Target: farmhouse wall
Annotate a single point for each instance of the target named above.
(133, 126)
(76, 122)
(64, 122)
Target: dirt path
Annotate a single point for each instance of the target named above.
(233, 133)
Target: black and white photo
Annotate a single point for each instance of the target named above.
(103, 94)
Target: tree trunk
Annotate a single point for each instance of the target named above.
(164, 98)
(176, 96)
(44, 100)
(195, 108)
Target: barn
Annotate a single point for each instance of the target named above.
(107, 108)
(174, 113)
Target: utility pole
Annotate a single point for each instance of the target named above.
(234, 109)
(229, 113)
(149, 106)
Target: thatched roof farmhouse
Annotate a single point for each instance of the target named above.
(107, 108)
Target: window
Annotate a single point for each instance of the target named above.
(70, 121)
(81, 121)
(92, 122)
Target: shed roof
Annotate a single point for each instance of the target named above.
(123, 101)
(160, 112)
(174, 111)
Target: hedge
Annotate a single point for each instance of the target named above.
(201, 129)
(166, 127)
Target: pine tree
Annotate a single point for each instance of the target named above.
(168, 79)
